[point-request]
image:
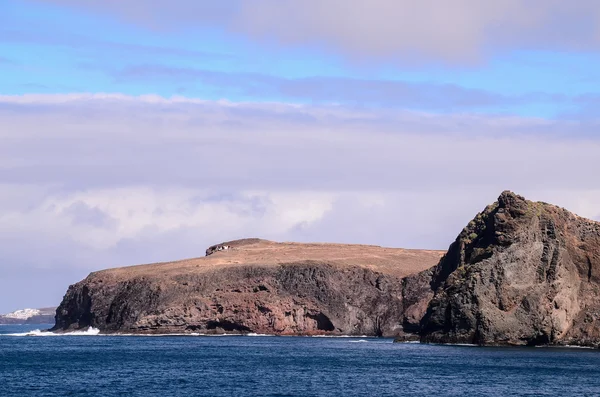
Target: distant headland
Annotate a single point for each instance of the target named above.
(29, 316)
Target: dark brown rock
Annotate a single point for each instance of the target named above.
(521, 273)
(256, 286)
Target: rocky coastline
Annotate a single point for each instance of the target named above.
(520, 273)
(253, 286)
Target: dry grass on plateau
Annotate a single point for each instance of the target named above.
(395, 261)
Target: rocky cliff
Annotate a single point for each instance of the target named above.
(520, 273)
(258, 286)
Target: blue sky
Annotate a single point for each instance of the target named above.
(136, 132)
(55, 48)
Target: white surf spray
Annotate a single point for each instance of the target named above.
(36, 332)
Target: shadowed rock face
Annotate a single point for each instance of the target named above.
(521, 273)
(251, 287)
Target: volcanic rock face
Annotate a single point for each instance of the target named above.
(257, 286)
(521, 273)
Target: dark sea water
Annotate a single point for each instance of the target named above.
(93, 366)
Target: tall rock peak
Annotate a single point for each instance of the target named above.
(520, 272)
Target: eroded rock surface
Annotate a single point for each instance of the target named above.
(521, 273)
(256, 286)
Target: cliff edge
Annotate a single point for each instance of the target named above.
(258, 286)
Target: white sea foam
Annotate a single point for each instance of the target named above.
(36, 332)
(338, 336)
(359, 341)
(251, 334)
(170, 334)
(566, 347)
(579, 347)
(180, 334)
(95, 332)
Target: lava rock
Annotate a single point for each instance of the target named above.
(520, 273)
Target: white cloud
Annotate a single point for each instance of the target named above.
(100, 219)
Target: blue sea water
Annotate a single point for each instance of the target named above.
(110, 366)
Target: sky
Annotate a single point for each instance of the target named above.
(144, 131)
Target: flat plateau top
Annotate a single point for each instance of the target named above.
(395, 261)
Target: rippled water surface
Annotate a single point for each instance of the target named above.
(283, 366)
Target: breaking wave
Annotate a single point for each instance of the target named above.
(96, 332)
(36, 332)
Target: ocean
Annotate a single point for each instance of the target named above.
(94, 365)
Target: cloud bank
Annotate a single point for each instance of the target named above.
(90, 181)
